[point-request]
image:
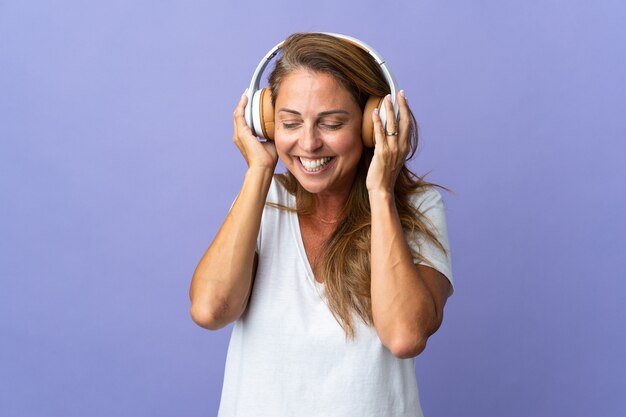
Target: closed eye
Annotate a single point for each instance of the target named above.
(328, 126)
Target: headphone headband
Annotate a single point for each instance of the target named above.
(256, 77)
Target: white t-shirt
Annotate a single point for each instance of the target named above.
(288, 356)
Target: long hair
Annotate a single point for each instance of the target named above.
(344, 263)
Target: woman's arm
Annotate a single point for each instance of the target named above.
(222, 281)
(407, 299)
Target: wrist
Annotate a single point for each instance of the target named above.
(258, 177)
(381, 195)
(259, 172)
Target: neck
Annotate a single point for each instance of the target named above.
(328, 208)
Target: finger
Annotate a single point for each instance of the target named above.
(380, 138)
(405, 121)
(241, 128)
(239, 109)
(238, 114)
(403, 109)
(270, 146)
(391, 126)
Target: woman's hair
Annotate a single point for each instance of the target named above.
(344, 264)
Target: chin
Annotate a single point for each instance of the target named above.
(322, 185)
(312, 187)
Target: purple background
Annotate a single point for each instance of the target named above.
(117, 168)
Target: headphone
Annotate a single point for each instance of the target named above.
(259, 112)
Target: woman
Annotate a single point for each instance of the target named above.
(336, 272)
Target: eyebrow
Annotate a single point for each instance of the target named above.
(321, 114)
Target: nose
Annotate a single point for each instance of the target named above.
(310, 140)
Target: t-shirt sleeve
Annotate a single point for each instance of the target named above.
(430, 204)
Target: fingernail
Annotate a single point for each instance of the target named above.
(376, 110)
(245, 92)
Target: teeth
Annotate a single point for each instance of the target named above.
(314, 164)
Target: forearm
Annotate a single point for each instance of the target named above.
(403, 309)
(222, 280)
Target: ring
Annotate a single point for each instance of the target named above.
(391, 133)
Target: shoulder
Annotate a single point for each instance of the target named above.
(426, 198)
(277, 193)
(275, 219)
(430, 210)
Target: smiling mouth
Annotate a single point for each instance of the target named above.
(313, 165)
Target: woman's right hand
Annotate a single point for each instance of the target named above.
(257, 154)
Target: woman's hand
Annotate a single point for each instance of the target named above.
(257, 154)
(391, 148)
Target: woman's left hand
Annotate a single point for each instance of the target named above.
(391, 148)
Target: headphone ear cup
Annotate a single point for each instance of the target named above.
(267, 114)
(263, 114)
(367, 126)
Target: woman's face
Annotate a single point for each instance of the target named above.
(318, 132)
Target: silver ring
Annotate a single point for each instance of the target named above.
(391, 134)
